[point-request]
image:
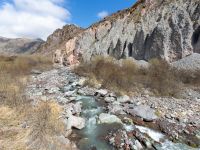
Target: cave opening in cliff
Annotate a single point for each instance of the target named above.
(196, 40)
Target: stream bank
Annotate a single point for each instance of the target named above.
(95, 115)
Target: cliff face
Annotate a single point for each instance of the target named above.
(58, 39)
(169, 29)
(19, 45)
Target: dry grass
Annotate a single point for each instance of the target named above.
(22, 65)
(45, 125)
(12, 136)
(14, 74)
(11, 90)
(122, 78)
(127, 78)
(189, 77)
(161, 78)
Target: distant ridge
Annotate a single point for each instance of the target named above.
(9, 46)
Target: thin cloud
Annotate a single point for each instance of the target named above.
(102, 14)
(32, 18)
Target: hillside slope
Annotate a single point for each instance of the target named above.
(169, 29)
(19, 45)
(58, 39)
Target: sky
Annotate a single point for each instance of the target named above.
(39, 18)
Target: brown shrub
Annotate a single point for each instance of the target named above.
(45, 124)
(161, 78)
(109, 73)
(83, 69)
(125, 77)
(188, 77)
(14, 71)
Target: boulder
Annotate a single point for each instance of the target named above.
(142, 64)
(67, 88)
(62, 143)
(36, 72)
(144, 111)
(71, 109)
(138, 145)
(70, 93)
(101, 92)
(108, 118)
(86, 91)
(109, 99)
(123, 99)
(82, 81)
(53, 90)
(112, 95)
(77, 108)
(76, 122)
(62, 100)
(116, 109)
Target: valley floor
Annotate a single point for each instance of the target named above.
(137, 120)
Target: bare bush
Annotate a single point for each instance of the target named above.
(45, 124)
(110, 74)
(161, 78)
(188, 77)
(126, 77)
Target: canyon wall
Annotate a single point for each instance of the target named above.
(168, 29)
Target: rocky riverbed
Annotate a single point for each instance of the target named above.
(99, 119)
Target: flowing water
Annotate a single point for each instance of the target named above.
(93, 135)
(159, 137)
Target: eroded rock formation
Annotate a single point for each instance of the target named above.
(58, 39)
(168, 29)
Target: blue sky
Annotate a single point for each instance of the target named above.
(39, 18)
(84, 12)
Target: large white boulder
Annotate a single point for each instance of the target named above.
(76, 122)
(144, 111)
(108, 118)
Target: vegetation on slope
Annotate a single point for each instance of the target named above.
(16, 112)
(126, 78)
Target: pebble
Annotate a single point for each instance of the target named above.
(70, 93)
(112, 140)
(71, 84)
(101, 92)
(123, 99)
(109, 99)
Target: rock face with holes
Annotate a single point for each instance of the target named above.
(168, 29)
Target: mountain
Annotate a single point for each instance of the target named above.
(19, 45)
(168, 29)
(58, 39)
